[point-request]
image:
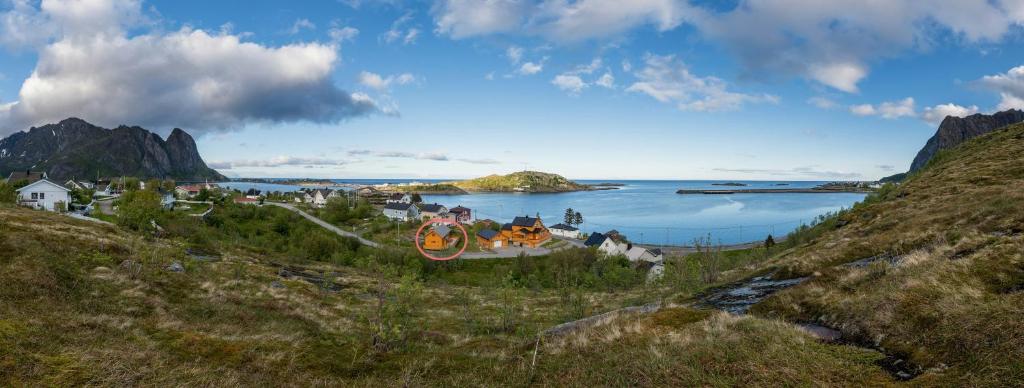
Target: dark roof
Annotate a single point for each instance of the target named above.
(30, 176)
(655, 251)
(594, 239)
(563, 227)
(431, 207)
(397, 196)
(487, 234)
(398, 206)
(323, 192)
(612, 232)
(524, 221)
(459, 209)
(506, 227)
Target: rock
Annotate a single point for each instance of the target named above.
(176, 267)
(956, 130)
(276, 284)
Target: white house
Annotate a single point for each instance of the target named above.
(399, 198)
(643, 254)
(401, 211)
(319, 197)
(43, 194)
(433, 210)
(605, 244)
(564, 230)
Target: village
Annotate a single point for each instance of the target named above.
(522, 235)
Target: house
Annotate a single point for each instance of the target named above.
(489, 239)
(188, 191)
(433, 210)
(605, 244)
(75, 185)
(253, 194)
(636, 253)
(246, 201)
(167, 200)
(439, 238)
(399, 198)
(461, 214)
(564, 230)
(102, 190)
(401, 211)
(526, 231)
(320, 196)
(26, 176)
(43, 194)
(654, 270)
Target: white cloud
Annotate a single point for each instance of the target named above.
(569, 83)
(301, 24)
(606, 81)
(1010, 86)
(832, 42)
(278, 161)
(479, 161)
(668, 80)
(377, 82)
(398, 32)
(822, 102)
(188, 78)
(887, 110)
(514, 54)
(798, 172)
(465, 18)
(340, 34)
(530, 68)
(936, 114)
(411, 35)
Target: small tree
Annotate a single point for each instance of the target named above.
(570, 216)
(7, 193)
(137, 209)
(709, 258)
(769, 242)
(578, 219)
(416, 198)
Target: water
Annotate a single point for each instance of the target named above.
(648, 211)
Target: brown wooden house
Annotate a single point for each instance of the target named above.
(526, 231)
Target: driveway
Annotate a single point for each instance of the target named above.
(325, 224)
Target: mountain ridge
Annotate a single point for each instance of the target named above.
(75, 149)
(955, 130)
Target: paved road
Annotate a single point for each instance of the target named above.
(325, 224)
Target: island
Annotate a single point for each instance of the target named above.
(517, 182)
(729, 184)
(831, 187)
(311, 182)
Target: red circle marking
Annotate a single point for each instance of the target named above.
(465, 238)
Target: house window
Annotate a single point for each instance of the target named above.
(35, 196)
(42, 195)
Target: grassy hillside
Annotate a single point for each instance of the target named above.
(528, 181)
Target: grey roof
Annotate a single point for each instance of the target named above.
(506, 227)
(30, 176)
(459, 209)
(487, 234)
(594, 239)
(398, 206)
(431, 207)
(563, 227)
(524, 221)
(655, 251)
(442, 230)
(323, 192)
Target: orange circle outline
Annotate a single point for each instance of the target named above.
(465, 238)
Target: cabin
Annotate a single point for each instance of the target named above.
(525, 231)
(461, 214)
(490, 239)
(439, 238)
(433, 210)
(399, 198)
(605, 244)
(401, 211)
(46, 195)
(563, 230)
(636, 254)
(26, 176)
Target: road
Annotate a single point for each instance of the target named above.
(325, 224)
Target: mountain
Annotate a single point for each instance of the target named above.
(74, 148)
(956, 130)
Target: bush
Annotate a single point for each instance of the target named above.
(137, 209)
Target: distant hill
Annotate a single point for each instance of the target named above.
(524, 181)
(74, 148)
(955, 130)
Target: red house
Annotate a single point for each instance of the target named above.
(461, 214)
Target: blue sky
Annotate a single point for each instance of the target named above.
(591, 89)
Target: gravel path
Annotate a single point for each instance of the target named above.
(325, 224)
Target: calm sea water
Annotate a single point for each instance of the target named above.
(651, 211)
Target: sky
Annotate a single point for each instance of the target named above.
(590, 89)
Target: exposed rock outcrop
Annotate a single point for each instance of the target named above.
(956, 130)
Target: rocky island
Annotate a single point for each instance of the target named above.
(518, 182)
(831, 187)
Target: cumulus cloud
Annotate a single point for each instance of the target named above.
(668, 80)
(185, 78)
(1010, 86)
(607, 80)
(569, 83)
(340, 34)
(377, 82)
(562, 21)
(278, 161)
(530, 68)
(936, 114)
(888, 109)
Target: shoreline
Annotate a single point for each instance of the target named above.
(773, 191)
